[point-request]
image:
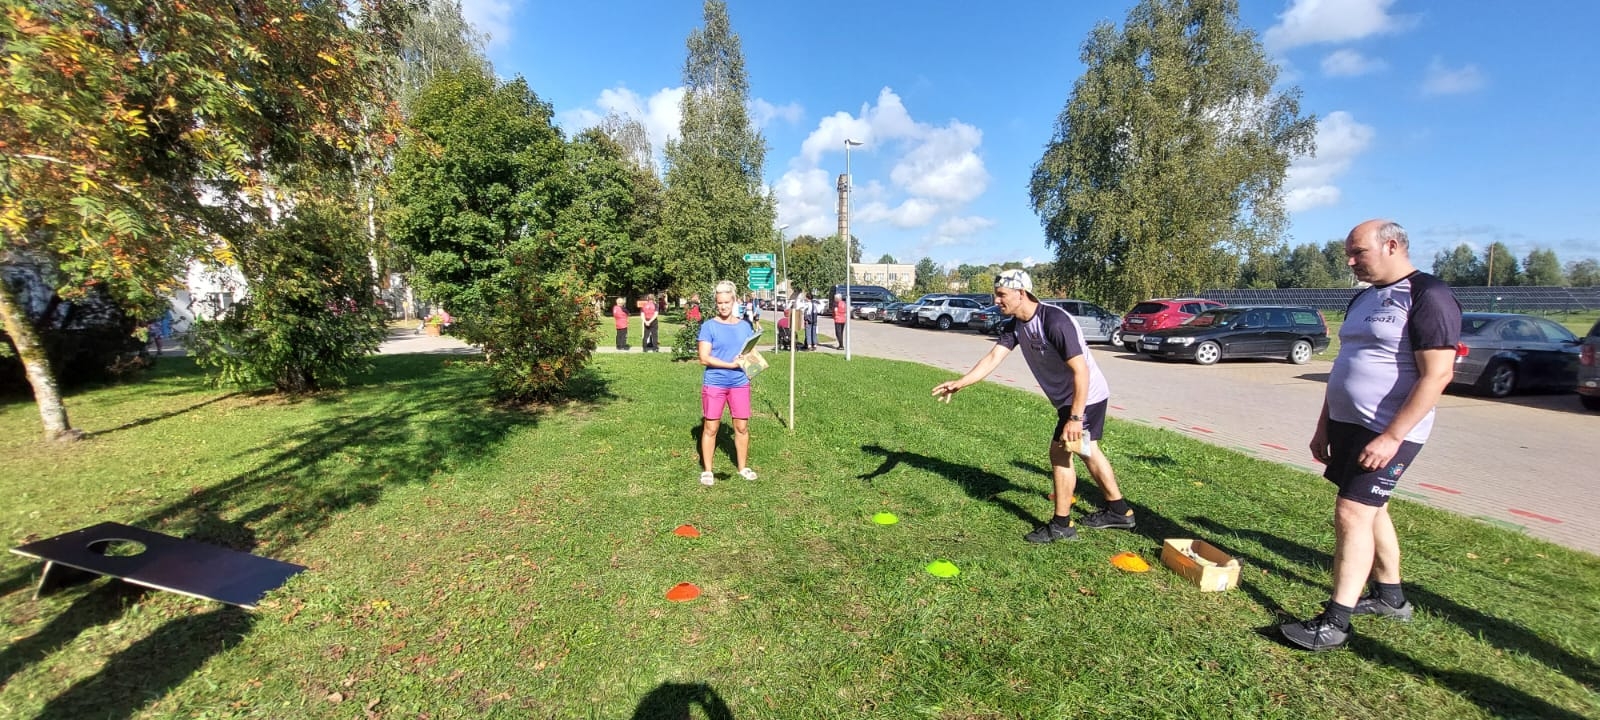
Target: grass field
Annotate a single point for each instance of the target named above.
(467, 560)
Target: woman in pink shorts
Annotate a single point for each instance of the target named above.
(722, 336)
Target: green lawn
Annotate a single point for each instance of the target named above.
(468, 560)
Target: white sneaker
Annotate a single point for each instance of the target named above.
(707, 478)
(747, 474)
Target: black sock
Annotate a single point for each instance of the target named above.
(1391, 595)
(1339, 614)
(1061, 521)
(1119, 506)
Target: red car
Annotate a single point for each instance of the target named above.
(1160, 314)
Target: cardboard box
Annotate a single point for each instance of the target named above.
(1205, 566)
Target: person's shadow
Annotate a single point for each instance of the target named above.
(979, 484)
(724, 444)
(675, 701)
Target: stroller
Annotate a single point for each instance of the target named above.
(783, 332)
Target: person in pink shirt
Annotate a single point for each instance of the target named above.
(648, 315)
(841, 312)
(620, 314)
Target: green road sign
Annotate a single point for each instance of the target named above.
(760, 278)
(760, 257)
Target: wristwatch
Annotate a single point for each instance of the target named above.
(1071, 418)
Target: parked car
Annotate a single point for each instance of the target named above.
(1159, 314)
(862, 292)
(908, 312)
(986, 321)
(1281, 331)
(1501, 353)
(947, 312)
(1589, 369)
(1098, 324)
(891, 312)
(867, 309)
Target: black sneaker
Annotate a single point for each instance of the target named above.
(1106, 518)
(1373, 605)
(1316, 634)
(1050, 532)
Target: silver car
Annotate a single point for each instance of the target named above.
(1501, 353)
(1098, 324)
(947, 312)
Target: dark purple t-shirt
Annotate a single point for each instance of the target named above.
(1048, 340)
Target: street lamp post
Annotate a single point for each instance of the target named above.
(849, 188)
(788, 309)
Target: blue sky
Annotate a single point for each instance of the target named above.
(1470, 121)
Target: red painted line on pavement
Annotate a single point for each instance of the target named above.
(1534, 515)
(1118, 407)
(1440, 488)
(1275, 446)
(1168, 419)
(1201, 429)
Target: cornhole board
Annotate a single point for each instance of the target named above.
(167, 563)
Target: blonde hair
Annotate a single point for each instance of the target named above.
(725, 286)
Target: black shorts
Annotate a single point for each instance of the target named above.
(1094, 424)
(1346, 441)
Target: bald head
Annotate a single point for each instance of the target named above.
(1379, 252)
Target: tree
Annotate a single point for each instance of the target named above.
(1263, 269)
(1307, 268)
(1500, 266)
(927, 276)
(816, 264)
(1583, 273)
(1542, 268)
(716, 207)
(438, 39)
(631, 136)
(117, 119)
(1459, 267)
(484, 200)
(1338, 264)
(887, 259)
(615, 206)
(1167, 162)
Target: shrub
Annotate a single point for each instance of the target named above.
(686, 345)
(539, 332)
(311, 317)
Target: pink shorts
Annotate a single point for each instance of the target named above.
(713, 399)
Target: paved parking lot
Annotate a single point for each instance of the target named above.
(1527, 462)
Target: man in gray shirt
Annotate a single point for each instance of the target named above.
(1053, 345)
(1397, 351)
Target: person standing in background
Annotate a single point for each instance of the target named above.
(620, 314)
(648, 316)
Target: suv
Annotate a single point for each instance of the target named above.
(1097, 323)
(1159, 314)
(1291, 332)
(1589, 369)
(947, 312)
(863, 292)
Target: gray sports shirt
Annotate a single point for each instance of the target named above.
(1376, 368)
(1048, 340)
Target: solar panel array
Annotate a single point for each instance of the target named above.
(1477, 299)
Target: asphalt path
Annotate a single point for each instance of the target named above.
(1528, 462)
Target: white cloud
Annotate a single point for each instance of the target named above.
(965, 230)
(806, 202)
(1310, 183)
(762, 113)
(934, 169)
(661, 114)
(1308, 22)
(914, 212)
(1443, 80)
(492, 17)
(1349, 63)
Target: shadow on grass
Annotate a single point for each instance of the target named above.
(410, 417)
(978, 483)
(103, 604)
(673, 701)
(425, 415)
(164, 416)
(1499, 633)
(150, 667)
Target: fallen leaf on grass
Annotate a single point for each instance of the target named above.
(335, 698)
(1472, 556)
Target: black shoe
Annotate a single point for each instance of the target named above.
(1106, 518)
(1050, 532)
(1373, 605)
(1316, 634)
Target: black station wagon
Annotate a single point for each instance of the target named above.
(1264, 331)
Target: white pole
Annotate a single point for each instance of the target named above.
(783, 248)
(849, 189)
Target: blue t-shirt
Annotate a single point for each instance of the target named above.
(726, 339)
